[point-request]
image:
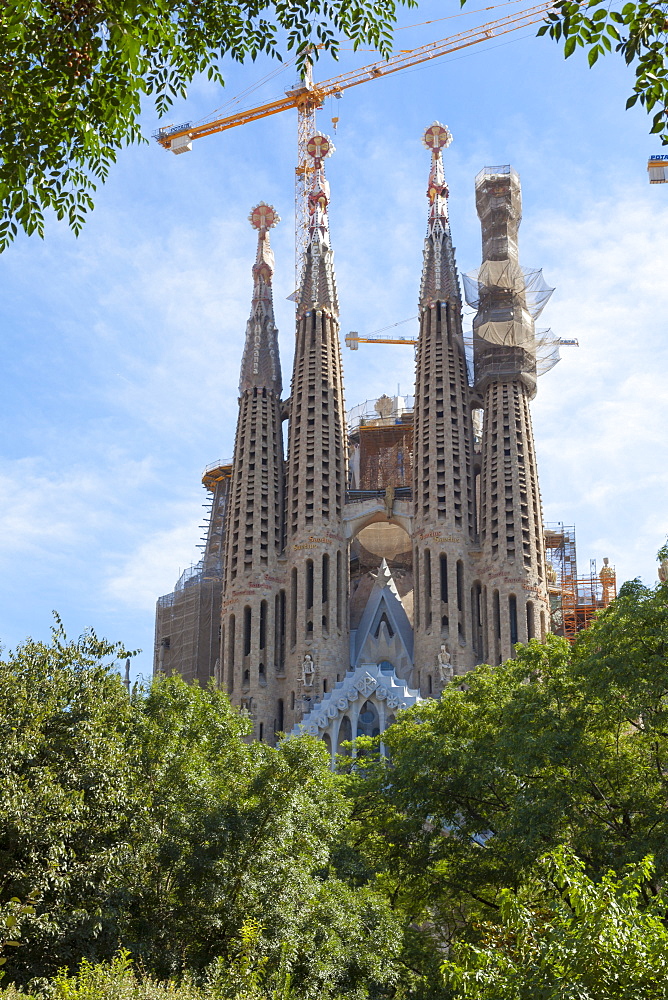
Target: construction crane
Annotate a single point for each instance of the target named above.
(547, 345)
(353, 339)
(309, 97)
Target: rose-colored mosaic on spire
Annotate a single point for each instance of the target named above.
(263, 218)
(319, 147)
(318, 286)
(437, 138)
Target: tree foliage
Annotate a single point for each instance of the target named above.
(74, 73)
(65, 779)
(558, 747)
(510, 829)
(567, 937)
(638, 31)
(151, 823)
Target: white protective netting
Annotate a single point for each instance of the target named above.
(509, 278)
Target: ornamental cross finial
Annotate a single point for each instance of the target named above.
(439, 276)
(319, 147)
(263, 218)
(436, 138)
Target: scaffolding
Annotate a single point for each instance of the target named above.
(381, 444)
(574, 600)
(187, 621)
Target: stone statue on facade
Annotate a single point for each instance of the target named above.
(444, 665)
(389, 501)
(308, 671)
(608, 581)
(663, 571)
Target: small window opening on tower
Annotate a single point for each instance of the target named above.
(443, 561)
(512, 616)
(427, 586)
(309, 584)
(247, 631)
(263, 624)
(460, 585)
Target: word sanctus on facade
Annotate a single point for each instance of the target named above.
(398, 545)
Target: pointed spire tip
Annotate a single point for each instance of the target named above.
(439, 275)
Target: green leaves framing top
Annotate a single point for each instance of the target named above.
(73, 74)
(638, 31)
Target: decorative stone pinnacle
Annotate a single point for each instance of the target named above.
(317, 288)
(439, 278)
(436, 138)
(260, 365)
(319, 147)
(263, 216)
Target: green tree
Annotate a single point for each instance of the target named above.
(563, 936)
(65, 779)
(73, 74)
(638, 31)
(560, 746)
(151, 823)
(236, 833)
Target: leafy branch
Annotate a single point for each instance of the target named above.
(638, 32)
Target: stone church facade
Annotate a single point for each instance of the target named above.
(392, 550)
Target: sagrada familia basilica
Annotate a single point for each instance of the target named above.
(394, 549)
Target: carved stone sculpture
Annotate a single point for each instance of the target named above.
(444, 664)
(308, 671)
(389, 501)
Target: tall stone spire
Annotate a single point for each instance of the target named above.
(261, 365)
(251, 640)
(316, 474)
(439, 271)
(444, 516)
(511, 526)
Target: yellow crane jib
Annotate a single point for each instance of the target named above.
(179, 138)
(353, 339)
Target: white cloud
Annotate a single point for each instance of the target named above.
(43, 511)
(601, 414)
(153, 567)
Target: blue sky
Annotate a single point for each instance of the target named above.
(122, 347)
